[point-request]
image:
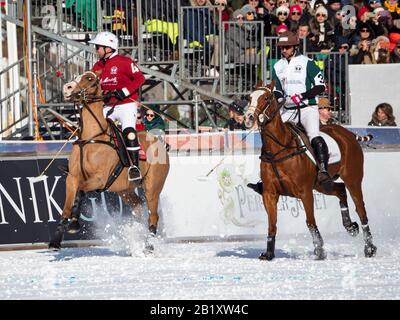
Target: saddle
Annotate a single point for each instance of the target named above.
(303, 141)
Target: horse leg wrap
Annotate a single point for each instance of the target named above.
(133, 148)
(58, 237)
(270, 253)
(75, 211)
(351, 227)
(369, 248)
(344, 210)
(318, 242)
(74, 225)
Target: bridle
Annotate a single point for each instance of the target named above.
(263, 117)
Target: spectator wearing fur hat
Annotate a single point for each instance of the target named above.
(383, 116)
(282, 13)
(322, 30)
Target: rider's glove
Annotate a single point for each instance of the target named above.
(120, 94)
(296, 99)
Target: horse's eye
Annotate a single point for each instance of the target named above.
(90, 79)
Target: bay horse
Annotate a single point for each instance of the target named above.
(286, 170)
(93, 163)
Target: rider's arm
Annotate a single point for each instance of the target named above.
(136, 76)
(315, 76)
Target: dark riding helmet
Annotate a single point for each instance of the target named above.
(288, 39)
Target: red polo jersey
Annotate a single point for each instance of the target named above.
(120, 73)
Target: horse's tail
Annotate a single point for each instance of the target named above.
(366, 138)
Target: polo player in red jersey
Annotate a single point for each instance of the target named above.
(120, 80)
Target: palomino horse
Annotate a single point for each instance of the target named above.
(286, 170)
(93, 160)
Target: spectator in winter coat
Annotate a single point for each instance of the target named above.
(383, 116)
(322, 30)
(152, 120)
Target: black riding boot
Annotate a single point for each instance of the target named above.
(132, 146)
(322, 156)
(257, 187)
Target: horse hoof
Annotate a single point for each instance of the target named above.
(74, 227)
(320, 253)
(266, 256)
(353, 229)
(370, 251)
(153, 229)
(56, 246)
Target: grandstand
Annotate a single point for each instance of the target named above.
(47, 45)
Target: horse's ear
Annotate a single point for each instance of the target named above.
(259, 84)
(272, 85)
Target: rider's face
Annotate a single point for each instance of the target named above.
(102, 51)
(287, 51)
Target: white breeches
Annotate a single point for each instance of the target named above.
(124, 113)
(309, 119)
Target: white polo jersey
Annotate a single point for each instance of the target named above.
(297, 76)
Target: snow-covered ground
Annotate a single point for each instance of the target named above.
(207, 270)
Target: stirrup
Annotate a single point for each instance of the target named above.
(134, 173)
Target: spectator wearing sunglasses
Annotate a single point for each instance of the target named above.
(241, 38)
(268, 16)
(305, 9)
(225, 12)
(282, 13)
(322, 30)
(152, 120)
(366, 35)
(294, 17)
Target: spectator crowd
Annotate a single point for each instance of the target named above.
(369, 30)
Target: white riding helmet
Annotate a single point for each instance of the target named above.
(106, 39)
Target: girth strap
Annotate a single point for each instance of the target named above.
(117, 171)
(270, 158)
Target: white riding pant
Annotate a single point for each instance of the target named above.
(309, 119)
(125, 113)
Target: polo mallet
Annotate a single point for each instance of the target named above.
(42, 176)
(207, 176)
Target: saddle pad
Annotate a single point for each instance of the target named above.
(333, 147)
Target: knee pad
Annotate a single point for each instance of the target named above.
(130, 135)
